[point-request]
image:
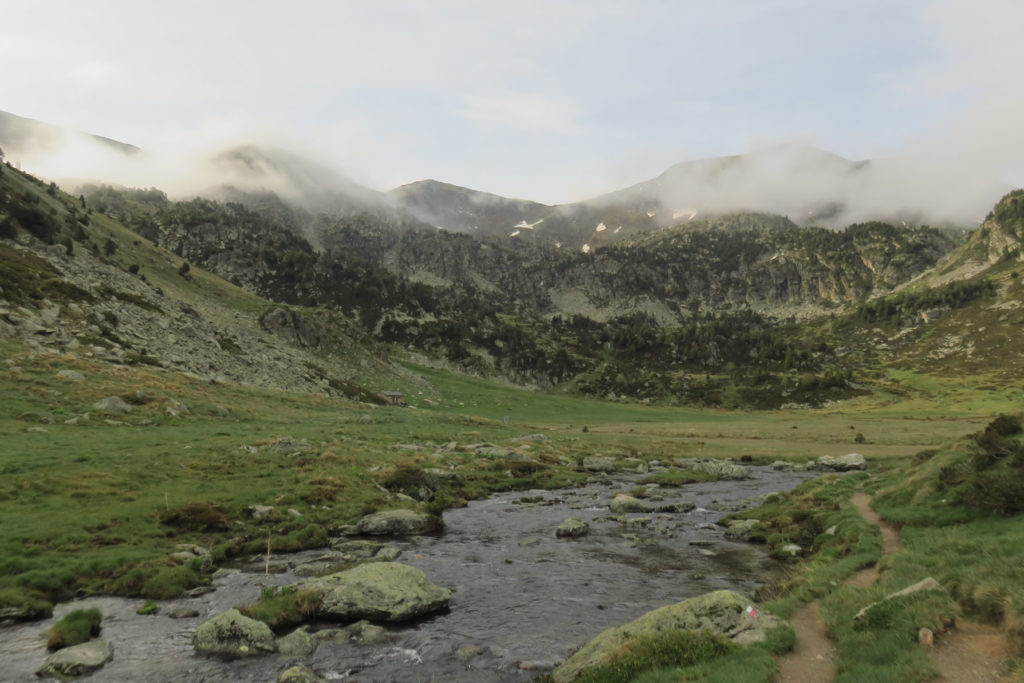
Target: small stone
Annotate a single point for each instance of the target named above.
(925, 636)
(467, 652)
(571, 528)
(71, 375)
(112, 404)
(182, 613)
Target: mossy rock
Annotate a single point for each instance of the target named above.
(378, 591)
(233, 635)
(720, 612)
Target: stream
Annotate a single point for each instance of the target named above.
(522, 597)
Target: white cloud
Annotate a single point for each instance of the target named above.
(523, 111)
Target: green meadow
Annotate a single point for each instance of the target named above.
(96, 503)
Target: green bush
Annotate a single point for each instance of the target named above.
(201, 517)
(76, 627)
(279, 608)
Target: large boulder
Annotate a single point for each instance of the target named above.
(378, 591)
(231, 634)
(843, 463)
(398, 523)
(724, 613)
(598, 463)
(77, 660)
(298, 643)
(722, 469)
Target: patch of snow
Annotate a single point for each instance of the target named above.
(528, 226)
(616, 231)
(558, 245)
(651, 214)
(689, 213)
(516, 233)
(601, 227)
(585, 249)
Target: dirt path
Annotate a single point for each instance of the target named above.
(971, 653)
(810, 661)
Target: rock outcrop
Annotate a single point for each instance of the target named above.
(77, 660)
(378, 591)
(722, 612)
(397, 523)
(843, 463)
(231, 635)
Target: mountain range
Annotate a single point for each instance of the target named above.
(617, 296)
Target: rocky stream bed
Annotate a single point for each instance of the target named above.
(522, 598)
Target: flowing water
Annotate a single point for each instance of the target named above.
(522, 597)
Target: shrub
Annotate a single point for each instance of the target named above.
(148, 608)
(200, 517)
(76, 627)
(279, 608)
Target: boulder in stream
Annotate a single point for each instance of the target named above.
(398, 523)
(378, 591)
(723, 612)
(300, 674)
(231, 634)
(623, 503)
(572, 528)
(298, 643)
(77, 660)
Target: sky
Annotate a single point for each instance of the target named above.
(551, 100)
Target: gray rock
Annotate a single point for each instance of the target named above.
(843, 463)
(572, 528)
(300, 674)
(298, 643)
(379, 591)
(289, 444)
(231, 634)
(723, 469)
(468, 652)
(741, 529)
(493, 451)
(186, 552)
(623, 503)
(112, 404)
(792, 548)
(362, 632)
(259, 511)
(537, 438)
(597, 463)
(71, 375)
(721, 612)
(928, 584)
(783, 466)
(77, 660)
(399, 523)
(182, 613)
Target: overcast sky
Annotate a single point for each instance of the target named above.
(546, 99)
